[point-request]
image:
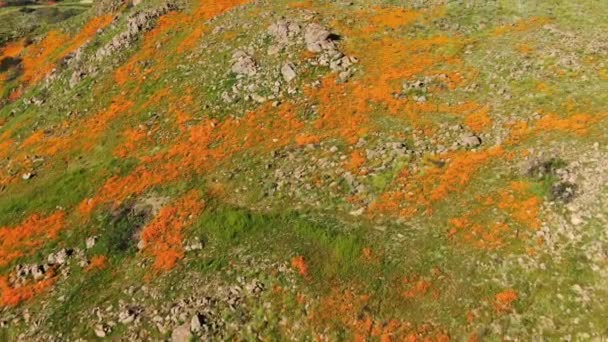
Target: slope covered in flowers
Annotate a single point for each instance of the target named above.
(446, 184)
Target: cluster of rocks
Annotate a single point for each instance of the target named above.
(288, 36)
(55, 262)
(285, 33)
(197, 315)
(320, 40)
(243, 64)
(137, 23)
(127, 314)
(448, 138)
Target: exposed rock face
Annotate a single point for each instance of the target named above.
(284, 31)
(243, 64)
(288, 72)
(138, 22)
(107, 6)
(318, 38)
(470, 140)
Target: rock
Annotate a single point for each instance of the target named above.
(76, 78)
(576, 220)
(196, 323)
(317, 38)
(138, 22)
(181, 333)
(357, 212)
(344, 76)
(126, 316)
(283, 31)
(258, 98)
(90, 242)
(27, 176)
(101, 330)
(136, 2)
(197, 245)
(60, 257)
(470, 140)
(255, 287)
(38, 272)
(243, 64)
(288, 72)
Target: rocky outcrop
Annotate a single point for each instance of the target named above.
(138, 22)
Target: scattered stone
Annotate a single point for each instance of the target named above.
(196, 323)
(470, 140)
(318, 38)
(101, 330)
(576, 220)
(357, 212)
(196, 245)
(141, 244)
(181, 333)
(28, 176)
(138, 22)
(288, 72)
(243, 64)
(90, 242)
(283, 31)
(60, 257)
(258, 98)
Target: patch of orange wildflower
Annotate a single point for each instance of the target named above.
(302, 4)
(207, 144)
(355, 162)
(26, 238)
(345, 109)
(11, 296)
(524, 211)
(5, 147)
(132, 138)
(88, 31)
(503, 301)
(488, 236)
(390, 17)
(300, 265)
(168, 26)
(98, 262)
(520, 26)
(306, 139)
(578, 124)
(12, 49)
(520, 207)
(163, 237)
(85, 135)
(39, 59)
(347, 310)
(479, 121)
(33, 139)
(524, 49)
(433, 184)
(367, 254)
(417, 289)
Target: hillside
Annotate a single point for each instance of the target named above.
(370, 170)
